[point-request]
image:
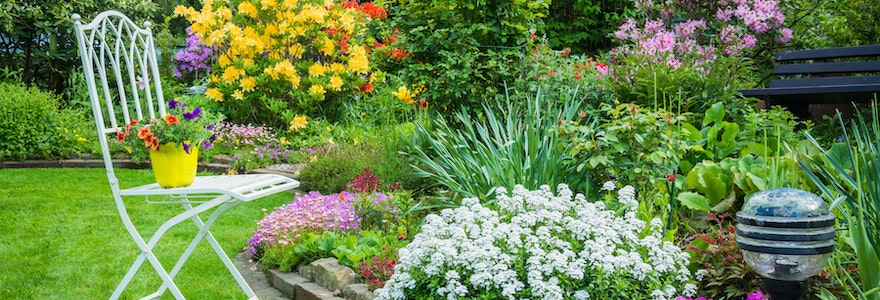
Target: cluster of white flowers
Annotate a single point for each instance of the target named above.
(559, 242)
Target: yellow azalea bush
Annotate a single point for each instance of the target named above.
(280, 58)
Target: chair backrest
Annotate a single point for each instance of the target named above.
(119, 63)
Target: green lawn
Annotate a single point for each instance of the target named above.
(61, 238)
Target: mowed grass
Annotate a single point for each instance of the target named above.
(61, 237)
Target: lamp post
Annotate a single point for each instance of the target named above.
(786, 235)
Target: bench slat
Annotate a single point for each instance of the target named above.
(826, 68)
(856, 51)
(806, 90)
(824, 81)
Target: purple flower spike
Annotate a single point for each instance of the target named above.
(186, 147)
(187, 116)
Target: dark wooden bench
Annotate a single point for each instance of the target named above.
(821, 76)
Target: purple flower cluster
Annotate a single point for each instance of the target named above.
(310, 212)
(234, 135)
(272, 152)
(737, 26)
(193, 60)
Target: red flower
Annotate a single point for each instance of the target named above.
(374, 11)
(559, 121)
(350, 4)
(423, 104)
(120, 136)
(332, 31)
(398, 53)
(366, 87)
(670, 177)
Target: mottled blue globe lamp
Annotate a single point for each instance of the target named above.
(786, 235)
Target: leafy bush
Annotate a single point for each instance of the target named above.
(628, 143)
(276, 60)
(378, 270)
(724, 274)
(539, 245)
(514, 143)
(559, 73)
(585, 25)
(332, 170)
(33, 126)
(463, 50)
(35, 36)
(348, 248)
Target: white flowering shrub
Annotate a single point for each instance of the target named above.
(539, 246)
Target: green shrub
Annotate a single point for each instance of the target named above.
(331, 171)
(462, 50)
(32, 125)
(36, 37)
(585, 25)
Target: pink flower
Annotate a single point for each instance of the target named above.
(757, 295)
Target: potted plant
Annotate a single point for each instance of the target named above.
(171, 141)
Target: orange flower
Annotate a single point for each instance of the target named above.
(120, 136)
(152, 143)
(171, 119)
(143, 131)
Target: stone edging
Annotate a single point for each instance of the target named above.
(323, 279)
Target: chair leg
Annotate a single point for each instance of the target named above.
(147, 247)
(205, 233)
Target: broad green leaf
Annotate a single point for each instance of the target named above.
(693, 201)
(691, 132)
(725, 204)
(715, 113)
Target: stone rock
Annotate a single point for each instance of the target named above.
(358, 291)
(285, 282)
(312, 291)
(328, 273)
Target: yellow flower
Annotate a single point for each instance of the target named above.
(224, 60)
(337, 68)
(248, 9)
(404, 95)
(290, 3)
(232, 74)
(180, 10)
(328, 46)
(317, 69)
(298, 122)
(248, 84)
(283, 141)
(214, 93)
(335, 83)
(267, 3)
(317, 89)
(330, 141)
(296, 50)
(294, 81)
(237, 95)
(313, 158)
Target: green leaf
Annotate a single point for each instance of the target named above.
(693, 201)
(715, 114)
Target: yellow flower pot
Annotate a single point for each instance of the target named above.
(173, 167)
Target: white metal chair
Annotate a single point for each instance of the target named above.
(119, 61)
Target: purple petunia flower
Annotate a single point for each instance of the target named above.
(186, 147)
(172, 104)
(195, 113)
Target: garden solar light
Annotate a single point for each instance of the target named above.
(786, 235)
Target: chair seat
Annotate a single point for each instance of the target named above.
(243, 187)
